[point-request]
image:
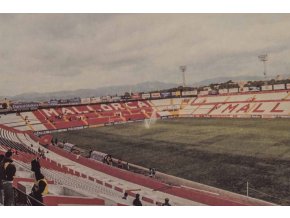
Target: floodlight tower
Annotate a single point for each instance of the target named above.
(183, 69)
(264, 58)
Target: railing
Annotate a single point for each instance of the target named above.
(87, 186)
(23, 199)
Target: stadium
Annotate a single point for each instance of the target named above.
(195, 146)
(144, 110)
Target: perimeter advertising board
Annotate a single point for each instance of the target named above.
(267, 88)
(116, 98)
(74, 101)
(213, 92)
(63, 101)
(25, 106)
(223, 91)
(254, 89)
(204, 92)
(145, 95)
(189, 93)
(279, 86)
(53, 102)
(155, 95)
(244, 89)
(135, 96)
(86, 100)
(176, 94)
(106, 98)
(165, 94)
(96, 100)
(233, 90)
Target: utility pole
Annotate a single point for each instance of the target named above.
(264, 58)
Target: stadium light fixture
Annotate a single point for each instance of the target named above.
(183, 69)
(264, 58)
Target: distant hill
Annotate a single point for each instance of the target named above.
(120, 90)
(235, 79)
(113, 90)
(225, 79)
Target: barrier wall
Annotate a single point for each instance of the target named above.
(65, 200)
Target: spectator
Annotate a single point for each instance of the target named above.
(1, 184)
(35, 165)
(7, 172)
(105, 161)
(137, 201)
(120, 165)
(1, 157)
(153, 172)
(128, 166)
(125, 196)
(39, 189)
(150, 172)
(90, 153)
(42, 153)
(166, 203)
(110, 160)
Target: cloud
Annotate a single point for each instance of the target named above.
(51, 52)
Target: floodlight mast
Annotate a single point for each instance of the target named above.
(264, 58)
(183, 69)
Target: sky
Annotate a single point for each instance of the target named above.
(54, 52)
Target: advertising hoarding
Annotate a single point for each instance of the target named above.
(189, 93)
(279, 86)
(145, 95)
(155, 95)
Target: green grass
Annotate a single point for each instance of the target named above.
(224, 153)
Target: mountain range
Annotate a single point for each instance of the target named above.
(102, 91)
(120, 90)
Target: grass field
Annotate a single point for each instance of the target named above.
(224, 153)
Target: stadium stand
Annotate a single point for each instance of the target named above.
(77, 180)
(267, 104)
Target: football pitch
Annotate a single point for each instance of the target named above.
(224, 153)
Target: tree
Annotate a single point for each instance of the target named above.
(127, 94)
(4, 105)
